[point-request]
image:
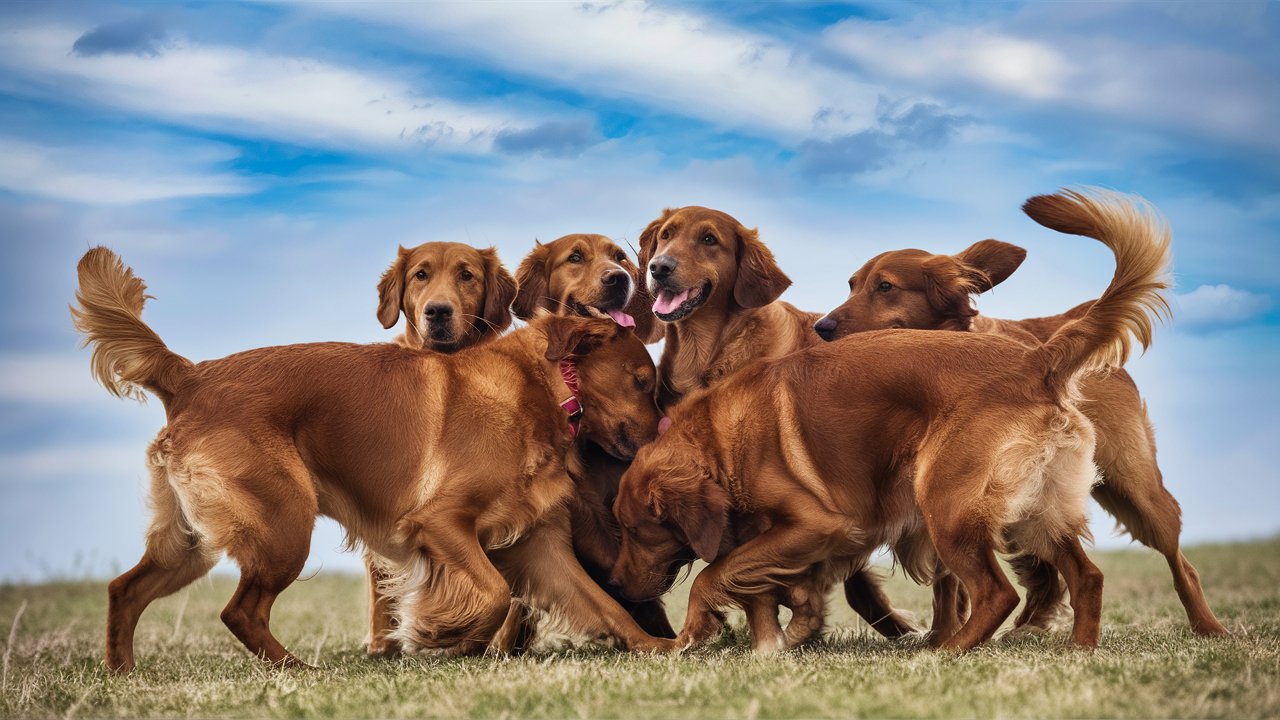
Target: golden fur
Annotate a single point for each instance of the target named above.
(590, 276)
(732, 317)
(450, 468)
(931, 292)
(840, 448)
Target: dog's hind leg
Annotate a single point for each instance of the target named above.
(965, 544)
(1046, 604)
(1084, 581)
(174, 558)
(1133, 490)
(1134, 494)
(270, 551)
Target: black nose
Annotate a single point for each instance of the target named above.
(614, 277)
(662, 266)
(438, 311)
(826, 328)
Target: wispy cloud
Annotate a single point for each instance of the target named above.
(129, 172)
(1218, 307)
(1165, 84)
(673, 60)
(282, 97)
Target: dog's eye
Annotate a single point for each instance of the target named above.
(666, 234)
(620, 257)
(465, 274)
(421, 274)
(884, 286)
(575, 257)
(709, 239)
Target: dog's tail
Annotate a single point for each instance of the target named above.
(1127, 309)
(128, 356)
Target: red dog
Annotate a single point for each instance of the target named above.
(917, 289)
(841, 448)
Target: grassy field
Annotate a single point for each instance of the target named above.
(1149, 665)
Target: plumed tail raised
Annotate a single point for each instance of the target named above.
(128, 356)
(1127, 310)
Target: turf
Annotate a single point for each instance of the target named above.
(1148, 665)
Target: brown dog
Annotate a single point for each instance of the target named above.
(586, 275)
(843, 447)
(452, 296)
(449, 467)
(917, 289)
(590, 276)
(716, 286)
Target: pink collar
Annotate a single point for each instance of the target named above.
(571, 405)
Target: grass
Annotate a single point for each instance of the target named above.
(1148, 665)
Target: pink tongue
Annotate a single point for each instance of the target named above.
(667, 302)
(664, 424)
(622, 318)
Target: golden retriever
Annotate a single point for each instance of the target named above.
(840, 448)
(450, 468)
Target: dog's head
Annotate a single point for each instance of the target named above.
(586, 275)
(696, 257)
(616, 380)
(670, 508)
(452, 295)
(919, 290)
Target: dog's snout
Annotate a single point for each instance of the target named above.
(438, 311)
(614, 277)
(662, 266)
(826, 328)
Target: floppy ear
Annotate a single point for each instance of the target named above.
(997, 260)
(948, 284)
(531, 277)
(649, 241)
(499, 291)
(760, 280)
(701, 516)
(391, 290)
(571, 335)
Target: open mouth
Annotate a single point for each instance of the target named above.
(671, 306)
(614, 314)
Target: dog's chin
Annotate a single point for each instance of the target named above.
(442, 340)
(671, 306)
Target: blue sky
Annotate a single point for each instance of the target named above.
(258, 164)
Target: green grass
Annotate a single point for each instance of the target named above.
(1148, 665)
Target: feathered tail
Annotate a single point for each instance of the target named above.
(128, 356)
(1139, 238)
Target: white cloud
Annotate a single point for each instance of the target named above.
(1210, 307)
(290, 98)
(108, 174)
(1177, 86)
(977, 55)
(679, 61)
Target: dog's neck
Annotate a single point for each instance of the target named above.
(716, 341)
